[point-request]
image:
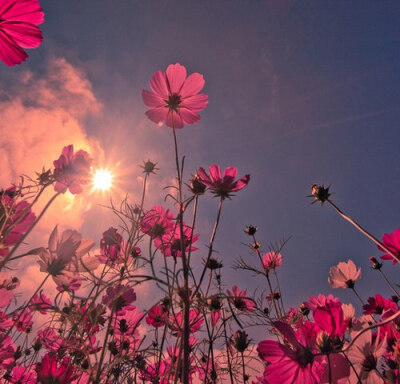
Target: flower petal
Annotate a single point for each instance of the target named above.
(196, 102)
(10, 52)
(157, 115)
(176, 75)
(229, 175)
(174, 120)
(203, 176)
(215, 173)
(240, 184)
(27, 11)
(158, 84)
(24, 34)
(152, 100)
(193, 85)
(188, 116)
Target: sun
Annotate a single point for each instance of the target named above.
(102, 179)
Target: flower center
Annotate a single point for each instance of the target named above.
(173, 102)
(369, 363)
(304, 357)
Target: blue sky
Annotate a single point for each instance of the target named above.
(300, 92)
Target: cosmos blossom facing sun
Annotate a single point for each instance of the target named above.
(175, 98)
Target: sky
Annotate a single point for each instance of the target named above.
(300, 92)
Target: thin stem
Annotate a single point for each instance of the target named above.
(390, 285)
(358, 296)
(363, 231)
(210, 247)
(25, 235)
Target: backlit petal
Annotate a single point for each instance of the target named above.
(176, 75)
(193, 85)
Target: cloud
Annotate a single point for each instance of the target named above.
(41, 113)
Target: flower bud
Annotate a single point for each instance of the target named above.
(375, 263)
(250, 230)
(320, 193)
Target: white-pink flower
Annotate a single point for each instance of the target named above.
(364, 355)
(344, 275)
(66, 253)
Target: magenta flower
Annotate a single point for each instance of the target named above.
(22, 375)
(222, 186)
(170, 243)
(392, 242)
(174, 98)
(157, 316)
(71, 170)
(157, 222)
(240, 300)
(18, 29)
(377, 305)
(293, 362)
(40, 303)
(51, 371)
(271, 260)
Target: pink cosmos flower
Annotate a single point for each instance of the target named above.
(67, 283)
(378, 304)
(320, 301)
(112, 247)
(344, 275)
(170, 243)
(22, 375)
(195, 320)
(271, 260)
(157, 316)
(157, 222)
(18, 29)
(52, 371)
(23, 321)
(222, 186)
(7, 351)
(71, 170)
(392, 242)
(66, 253)
(20, 218)
(364, 355)
(293, 362)
(120, 298)
(174, 97)
(40, 303)
(50, 339)
(240, 301)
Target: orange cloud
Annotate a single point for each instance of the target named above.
(41, 114)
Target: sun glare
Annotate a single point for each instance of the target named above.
(102, 179)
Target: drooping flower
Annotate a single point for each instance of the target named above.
(71, 170)
(66, 254)
(240, 300)
(344, 275)
(174, 98)
(19, 20)
(52, 371)
(392, 242)
(222, 186)
(271, 260)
